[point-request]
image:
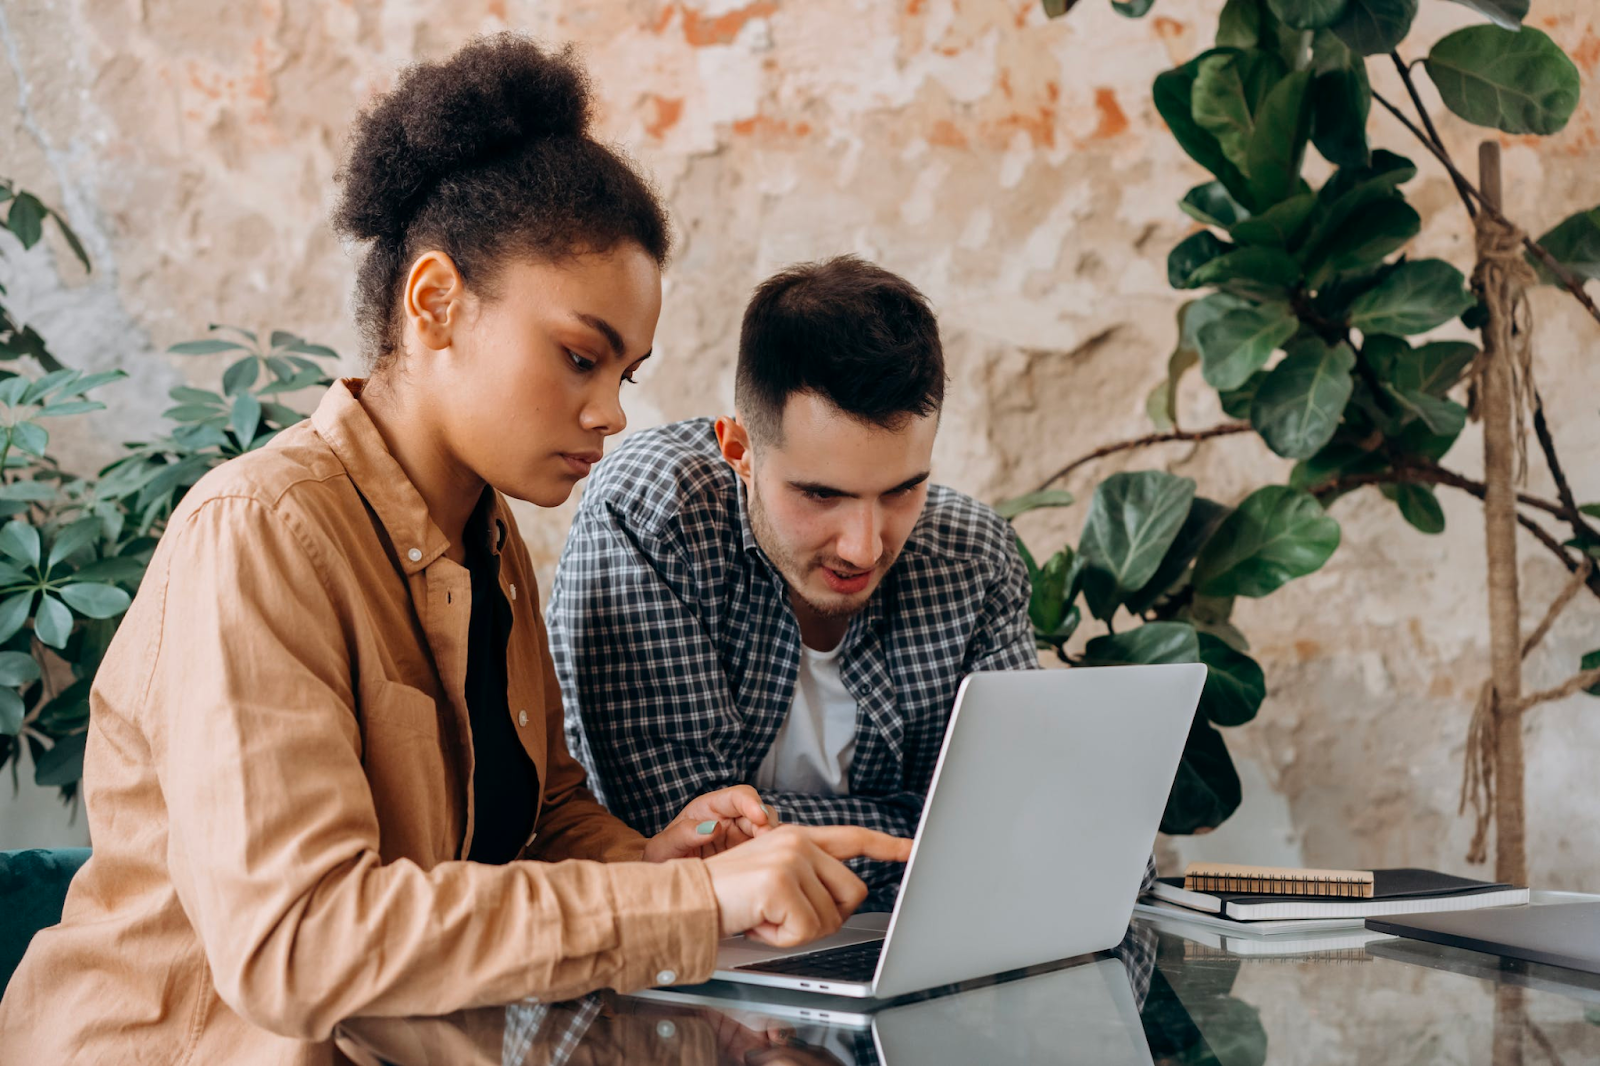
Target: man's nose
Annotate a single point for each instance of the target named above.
(860, 543)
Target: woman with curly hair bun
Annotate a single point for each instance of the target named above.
(326, 775)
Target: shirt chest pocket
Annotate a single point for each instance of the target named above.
(408, 763)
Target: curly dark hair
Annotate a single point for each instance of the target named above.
(482, 156)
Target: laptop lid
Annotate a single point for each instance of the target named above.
(1557, 934)
(1042, 812)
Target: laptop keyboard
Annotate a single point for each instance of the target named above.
(853, 962)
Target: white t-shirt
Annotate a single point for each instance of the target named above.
(813, 749)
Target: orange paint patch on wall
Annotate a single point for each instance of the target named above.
(767, 128)
(1112, 119)
(945, 134)
(667, 113)
(914, 8)
(1307, 649)
(1587, 54)
(1040, 127)
(1168, 29)
(497, 9)
(701, 31)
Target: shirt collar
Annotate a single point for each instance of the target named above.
(341, 421)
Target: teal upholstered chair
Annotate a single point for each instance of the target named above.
(33, 886)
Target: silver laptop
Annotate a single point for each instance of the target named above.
(1043, 809)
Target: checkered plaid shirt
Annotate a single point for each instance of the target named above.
(677, 649)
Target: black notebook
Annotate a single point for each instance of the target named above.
(1400, 891)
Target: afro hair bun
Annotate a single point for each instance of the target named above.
(485, 102)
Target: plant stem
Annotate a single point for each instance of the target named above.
(1144, 442)
(1547, 444)
(1572, 284)
(1435, 140)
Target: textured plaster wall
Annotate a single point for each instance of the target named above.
(1014, 168)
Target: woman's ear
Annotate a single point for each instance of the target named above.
(734, 440)
(434, 297)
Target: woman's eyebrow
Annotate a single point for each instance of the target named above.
(605, 329)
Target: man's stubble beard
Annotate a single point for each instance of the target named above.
(794, 573)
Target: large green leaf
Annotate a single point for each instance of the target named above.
(1298, 406)
(1055, 586)
(1278, 142)
(1018, 505)
(1206, 789)
(62, 764)
(1517, 81)
(1308, 14)
(1240, 342)
(17, 668)
(1442, 417)
(1506, 13)
(26, 219)
(72, 539)
(1228, 91)
(1153, 642)
(1341, 100)
(1192, 317)
(1132, 520)
(20, 540)
(1276, 535)
(95, 600)
(1415, 298)
(1133, 9)
(1239, 24)
(1202, 520)
(1370, 27)
(1257, 273)
(1173, 95)
(241, 375)
(1236, 403)
(1235, 684)
(52, 622)
(1575, 244)
(1189, 255)
(12, 712)
(1589, 662)
(206, 347)
(1431, 369)
(1418, 505)
(1211, 205)
(1280, 226)
(14, 613)
(1385, 226)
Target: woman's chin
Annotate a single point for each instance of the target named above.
(543, 492)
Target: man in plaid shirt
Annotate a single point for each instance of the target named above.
(783, 599)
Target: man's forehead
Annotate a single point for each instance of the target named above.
(821, 444)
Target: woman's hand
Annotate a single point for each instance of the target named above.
(712, 824)
(789, 885)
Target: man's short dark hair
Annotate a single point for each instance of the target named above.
(861, 337)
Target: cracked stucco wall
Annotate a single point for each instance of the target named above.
(1013, 168)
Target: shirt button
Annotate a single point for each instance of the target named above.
(415, 555)
(666, 1030)
(666, 977)
(522, 718)
(513, 590)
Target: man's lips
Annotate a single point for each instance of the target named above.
(846, 582)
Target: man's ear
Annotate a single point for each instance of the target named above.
(435, 295)
(734, 440)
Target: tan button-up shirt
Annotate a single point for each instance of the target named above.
(279, 789)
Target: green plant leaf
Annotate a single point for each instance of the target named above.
(14, 613)
(72, 539)
(31, 491)
(1236, 403)
(12, 712)
(1507, 14)
(17, 668)
(1418, 506)
(1133, 9)
(12, 389)
(112, 568)
(20, 540)
(1276, 535)
(1298, 406)
(47, 384)
(1341, 101)
(1173, 94)
(246, 417)
(1017, 505)
(1133, 519)
(1416, 297)
(71, 238)
(1433, 369)
(52, 622)
(1517, 81)
(1370, 27)
(241, 375)
(190, 412)
(1190, 254)
(1235, 685)
(96, 601)
(93, 381)
(1153, 642)
(1055, 586)
(1280, 226)
(1257, 273)
(72, 407)
(62, 764)
(1385, 226)
(1240, 342)
(1442, 417)
(31, 438)
(1591, 509)
(1228, 90)
(1192, 317)
(1589, 662)
(26, 219)
(1575, 244)
(1211, 205)
(1278, 143)
(190, 397)
(1206, 790)
(1307, 14)
(1202, 520)
(207, 347)
(1239, 25)
(320, 351)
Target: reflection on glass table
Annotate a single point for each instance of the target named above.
(1167, 995)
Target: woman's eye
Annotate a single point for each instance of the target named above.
(579, 361)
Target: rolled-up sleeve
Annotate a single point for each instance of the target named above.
(273, 835)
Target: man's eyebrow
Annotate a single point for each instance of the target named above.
(821, 489)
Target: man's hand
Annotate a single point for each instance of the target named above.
(789, 885)
(711, 824)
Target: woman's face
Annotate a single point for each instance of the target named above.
(529, 379)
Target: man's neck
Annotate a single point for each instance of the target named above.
(817, 631)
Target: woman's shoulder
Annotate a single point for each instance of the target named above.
(296, 475)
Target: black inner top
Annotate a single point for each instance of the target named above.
(504, 782)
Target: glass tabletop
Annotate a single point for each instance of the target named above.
(1170, 993)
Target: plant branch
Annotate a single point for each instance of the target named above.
(1144, 442)
(1572, 685)
(1559, 604)
(1547, 444)
(1565, 276)
(1433, 133)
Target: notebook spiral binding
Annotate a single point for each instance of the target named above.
(1265, 881)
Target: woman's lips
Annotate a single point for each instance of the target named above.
(846, 584)
(580, 462)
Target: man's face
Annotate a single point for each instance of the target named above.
(833, 501)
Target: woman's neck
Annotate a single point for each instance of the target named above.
(450, 490)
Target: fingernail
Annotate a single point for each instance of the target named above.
(705, 829)
(772, 815)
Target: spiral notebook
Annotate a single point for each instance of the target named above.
(1398, 891)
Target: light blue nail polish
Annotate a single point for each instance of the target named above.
(705, 829)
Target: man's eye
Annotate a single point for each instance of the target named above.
(820, 497)
(579, 361)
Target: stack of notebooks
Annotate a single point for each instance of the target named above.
(1262, 899)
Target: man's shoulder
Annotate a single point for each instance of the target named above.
(672, 473)
(959, 530)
